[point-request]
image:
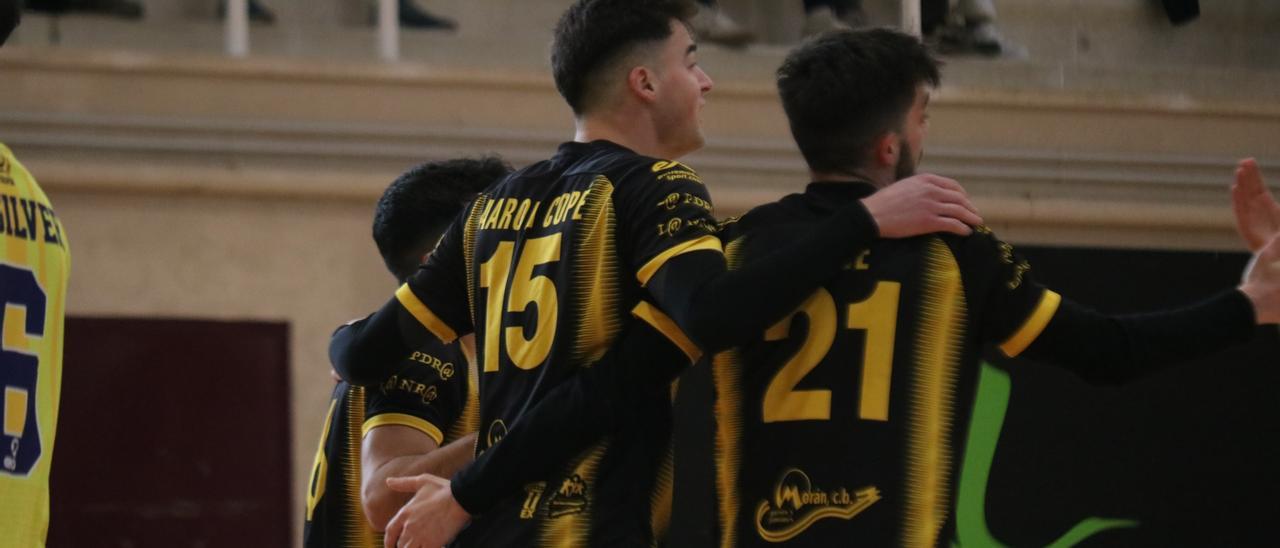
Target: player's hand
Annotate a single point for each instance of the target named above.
(1262, 283)
(430, 519)
(1257, 213)
(922, 204)
(333, 374)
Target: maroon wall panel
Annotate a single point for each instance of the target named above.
(173, 433)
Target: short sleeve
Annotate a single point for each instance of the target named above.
(1015, 308)
(436, 295)
(427, 393)
(664, 211)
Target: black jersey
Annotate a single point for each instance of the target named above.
(545, 268)
(430, 392)
(842, 424)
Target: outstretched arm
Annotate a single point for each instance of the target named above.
(1114, 349)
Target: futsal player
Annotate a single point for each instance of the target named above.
(423, 417)
(547, 265)
(844, 422)
(34, 266)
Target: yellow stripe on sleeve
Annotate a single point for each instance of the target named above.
(400, 419)
(664, 324)
(705, 243)
(1036, 322)
(425, 316)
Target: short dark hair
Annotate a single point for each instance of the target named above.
(592, 34)
(843, 90)
(10, 16)
(421, 203)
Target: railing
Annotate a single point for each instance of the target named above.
(237, 29)
(237, 26)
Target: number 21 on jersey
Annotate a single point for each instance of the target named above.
(877, 315)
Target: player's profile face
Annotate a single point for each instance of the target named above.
(682, 85)
(915, 129)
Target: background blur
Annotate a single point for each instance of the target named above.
(219, 209)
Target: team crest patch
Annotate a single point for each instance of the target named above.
(571, 498)
(497, 431)
(797, 504)
(671, 171)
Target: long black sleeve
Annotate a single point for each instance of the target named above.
(1104, 349)
(601, 399)
(710, 302)
(368, 351)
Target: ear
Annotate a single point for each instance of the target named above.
(643, 83)
(886, 150)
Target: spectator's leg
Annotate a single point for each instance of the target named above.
(977, 12)
(415, 17)
(849, 11)
(713, 25)
(258, 13)
(980, 29)
(128, 9)
(933, 15)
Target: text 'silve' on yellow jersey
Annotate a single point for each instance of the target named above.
(34, 266)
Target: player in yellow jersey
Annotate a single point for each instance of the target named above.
(34, 264)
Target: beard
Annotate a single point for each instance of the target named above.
(907, 161)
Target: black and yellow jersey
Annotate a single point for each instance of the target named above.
(34, 265)
(431, 392)
(842, 424)
(545, 268)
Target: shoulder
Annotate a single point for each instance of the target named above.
(624, 167)
(788, 211)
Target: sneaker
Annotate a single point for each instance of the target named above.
(712, 25)
(980, 39)
(821, 20)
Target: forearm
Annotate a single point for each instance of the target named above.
(367, 351)
(598, 400)
(381, 502)
(1106, 349)
(709, 302)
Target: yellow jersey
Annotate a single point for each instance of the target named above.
(34, 265)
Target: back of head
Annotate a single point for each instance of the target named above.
(843, 90)
(421, 203)
(593, 35)
(10, 15)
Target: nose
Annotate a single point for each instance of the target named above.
(704, 81)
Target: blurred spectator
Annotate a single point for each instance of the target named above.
(1182, 11)
(713, 25)
(411, 15)
(257, 12)
(827, 15)
(971, 28)
(128, 9)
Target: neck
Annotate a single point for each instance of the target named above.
(878, 178)
(633, 130)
